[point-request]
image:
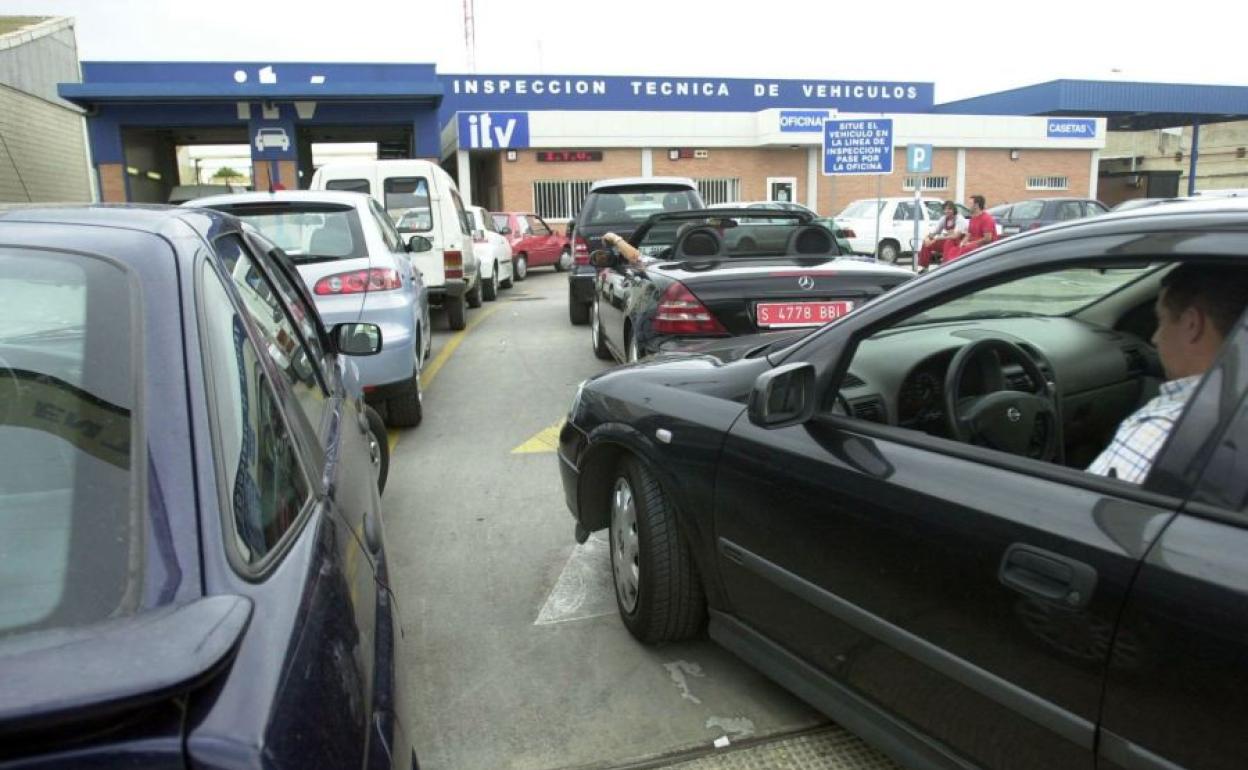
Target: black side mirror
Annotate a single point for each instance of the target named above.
(418, 244)
(357, 339)
(603, 259)
(783, 396)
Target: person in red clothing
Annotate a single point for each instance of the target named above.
(945, 234)
(981, 231)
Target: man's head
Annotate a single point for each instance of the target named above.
(977, 203)
(1196, 309)
(950, 209)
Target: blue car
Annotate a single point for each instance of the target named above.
(192, 561)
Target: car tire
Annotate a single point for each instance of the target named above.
(521, 267)
(489, 289)
(474, 295)
(578, 312)
(455, 313)
(565, 261)
(657, 586)
(888, 252)
(407, 410)
(378, 446)
(596, 337)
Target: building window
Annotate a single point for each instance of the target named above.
(926, 182)
(560, 199)
(721, 190)
(1048, 182)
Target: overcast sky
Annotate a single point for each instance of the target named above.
(966, 49)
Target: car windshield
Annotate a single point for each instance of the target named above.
(71, 533)
(307, 232)
(626, 205)
(1050, 294)
(864, 208)
(500, 221)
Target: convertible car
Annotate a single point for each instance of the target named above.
(889, 515)
(725, 272)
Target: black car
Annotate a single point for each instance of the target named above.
(890, 518)
(618, 206)
(192, 567)
(728, 272)
(1014, 218)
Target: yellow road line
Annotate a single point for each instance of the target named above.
(545, 440)
(433, 367)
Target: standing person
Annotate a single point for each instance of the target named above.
(944, 235)
(981, 231)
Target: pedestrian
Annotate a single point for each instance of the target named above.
(945, 234)
(980, 231)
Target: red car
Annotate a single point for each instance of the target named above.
(533, 242)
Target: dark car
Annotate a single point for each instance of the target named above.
(1014, 218)
(618, 206)
(729, 272)
(1141, 203)
(889, 516)
(192, 567)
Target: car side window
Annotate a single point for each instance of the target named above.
(1069, 210)
(523, 224)
(538, 226)
(265, 486)
(301, 312)
(1027, 210)
(283, 343)
(464, 222)
(1095, 208)
(935, 209)
(388, 233)
(905, 213)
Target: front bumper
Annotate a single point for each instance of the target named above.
(572, 441)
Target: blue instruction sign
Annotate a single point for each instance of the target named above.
(858, 147)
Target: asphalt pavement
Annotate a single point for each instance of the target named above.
(514, 650)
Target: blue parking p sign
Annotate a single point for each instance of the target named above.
(919, 159)
(863, 146)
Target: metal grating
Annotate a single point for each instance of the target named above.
(719, 190)
(833, 748)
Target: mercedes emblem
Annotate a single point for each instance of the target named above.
(806, 282)
(1013, 414)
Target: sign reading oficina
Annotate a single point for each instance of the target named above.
(863, 146)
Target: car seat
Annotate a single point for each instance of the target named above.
(609, 208)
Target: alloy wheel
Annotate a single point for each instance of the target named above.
(625, 546)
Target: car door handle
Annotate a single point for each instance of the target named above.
(372, 532)
(1047, 575)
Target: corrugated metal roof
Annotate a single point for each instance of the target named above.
(11, 24)
(1127, 105)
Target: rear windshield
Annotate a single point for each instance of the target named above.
(625, 205)
(307, 232)
(407, 203)
(71, 532)
(349, 185)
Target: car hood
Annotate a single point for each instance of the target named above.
(729, 349)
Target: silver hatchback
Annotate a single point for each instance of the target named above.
(357, 269)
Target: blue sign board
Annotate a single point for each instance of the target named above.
(806, 121)
(1072, 128)
(493, 130)
(919, 159)
(858, 147)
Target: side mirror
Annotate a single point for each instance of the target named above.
(783, 396)
(603, 259)
(357, 339)
(571, 228)
(419, 244)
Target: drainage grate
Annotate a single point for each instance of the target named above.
(832, 748)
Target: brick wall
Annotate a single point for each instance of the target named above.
(112, 182)
(992, 174)
(517, 177)
(752, 166)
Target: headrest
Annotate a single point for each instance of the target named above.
(675, 202)
(811, 239)
(699, 242)
(332, 240)
(611, 204)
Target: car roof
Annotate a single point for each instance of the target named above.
(150, 218)
(356, 199)
(631, 181)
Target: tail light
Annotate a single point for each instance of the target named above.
(453, 263)
(358, 282)
(580, 251)
(680, 312)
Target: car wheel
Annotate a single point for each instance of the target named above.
(521, 267)
(407, 410)
(889, 252)
(378, 446)
(595, 334)
(565, 260)
(474, 295)
(578, 312)
(489, 291)
(657, 586)
(455, 313)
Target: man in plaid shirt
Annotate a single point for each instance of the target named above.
(1196, 309)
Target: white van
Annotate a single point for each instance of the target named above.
(426, 207)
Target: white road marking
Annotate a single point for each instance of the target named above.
(584, 588)
(679, 671)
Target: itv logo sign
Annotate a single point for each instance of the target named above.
(493, 130)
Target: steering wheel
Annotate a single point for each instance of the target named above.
(1012, 421)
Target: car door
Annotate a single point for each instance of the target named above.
(616, 286)
(902, 224)
(943, 587)
(544, 245)
(1176, 693)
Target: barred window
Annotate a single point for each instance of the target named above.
(719, 190)
(1048, 182)
(926, 182)
(560, 199)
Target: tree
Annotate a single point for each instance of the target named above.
(225, 174)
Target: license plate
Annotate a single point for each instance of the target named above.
(1011, 230)
(779, 315)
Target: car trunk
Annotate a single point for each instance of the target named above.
(755, 295)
